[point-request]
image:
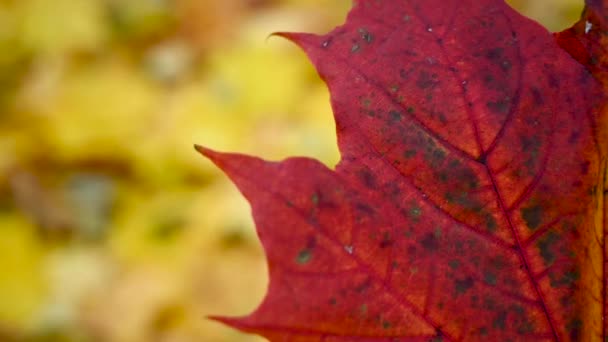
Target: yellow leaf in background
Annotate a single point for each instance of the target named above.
(22, 283)
(96, 111)
(59, 26)
(555, 15)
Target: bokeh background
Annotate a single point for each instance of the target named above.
(111, 227)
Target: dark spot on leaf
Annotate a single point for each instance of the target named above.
(494, 54)
(409, 153)
(443, 119)
(498, 263)
(365, 35)
(315, 199)
(386, 240)
(430, 242)
(426, 80)
(462, 286)
(574, 329)
(454, 264)
(363, 286)
(488, 79)
(475, 301)
(538, 97)
(405, 74)
(463, 199)
(364, 209)
(491, 224)
(467, 178)
(500, 106)
(574, 137)
(531, 147)
(366, 102)
(532, 216)
(545, 245)
(414, 213)
(434, 155)
(304, 256)
(525, 327)
(395, 115)
(438, 232)
(500, 321)
(368, 179)
(489, 304)
(567, 280)
(490, 278)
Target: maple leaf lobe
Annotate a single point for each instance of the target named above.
(466, 191)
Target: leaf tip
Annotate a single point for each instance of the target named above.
(203, 150)
(230, 163)
(229, 321)
(221, 319)
(303, 40)
(214, 156)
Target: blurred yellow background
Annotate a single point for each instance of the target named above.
(111, 227)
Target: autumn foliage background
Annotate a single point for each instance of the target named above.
(111, 227)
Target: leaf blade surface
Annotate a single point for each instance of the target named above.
(465, 206)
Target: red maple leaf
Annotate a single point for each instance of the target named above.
(468, 203)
